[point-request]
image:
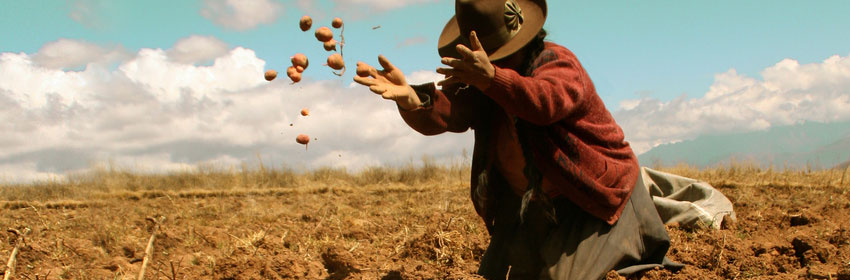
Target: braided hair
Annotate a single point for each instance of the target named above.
(535, 178)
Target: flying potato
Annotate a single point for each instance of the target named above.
(324, 34)
(305, 23)
(330, 45)
(303, 139)
(270, 75)
(299, 59)
(335, 61)
(293, 74)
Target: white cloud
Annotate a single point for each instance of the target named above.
(421, 77)
(310, 7)
(170, 81)
(69, 54)
(197, 49)
(241, 14)
(789, 93)
(23, 172)
(90, 13)
(378, 5)
(154, 112)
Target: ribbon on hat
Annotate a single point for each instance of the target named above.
(513, 16)
(513, 23)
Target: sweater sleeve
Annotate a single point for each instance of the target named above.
(440, 112)
(554, 90)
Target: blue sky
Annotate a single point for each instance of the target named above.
(692, 67)
(661, 48)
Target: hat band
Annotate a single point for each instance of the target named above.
(513, 16)
(513, 23)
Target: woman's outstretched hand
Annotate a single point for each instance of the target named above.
(389, 83)
(474, 69)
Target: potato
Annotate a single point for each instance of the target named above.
(330, 45)
(293, 74)
(337, 22)
(324, 34)
(303, 139)
(305, 23)
(363, 69)
(270, 75)
(335, 61)
(299, 59)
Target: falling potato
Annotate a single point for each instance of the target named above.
(293, 74)
(363, 69)
(270, 75)
(335, 61)
(337, 22)
(330, 45)
(324, 34)
(303, 139)
(305, 112)
(299, 59)
(305, 23)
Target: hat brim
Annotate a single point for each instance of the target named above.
(534, 18)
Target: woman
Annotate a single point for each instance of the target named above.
(553, 178)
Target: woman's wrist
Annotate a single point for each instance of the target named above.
(412, 101)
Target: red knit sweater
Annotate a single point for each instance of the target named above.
(577, 146)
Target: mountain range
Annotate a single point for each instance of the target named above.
(811, 144)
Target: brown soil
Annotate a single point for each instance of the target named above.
(389, 232)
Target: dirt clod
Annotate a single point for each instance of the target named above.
(800, 220)
(339, 262)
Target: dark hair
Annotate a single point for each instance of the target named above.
(532, 51)
(535, 178)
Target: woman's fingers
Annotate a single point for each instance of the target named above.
(466, 53)
(373, 72)
(388, 95)
(455, 63)
(366, 81)
(368, 69)
(378, 89)
(448, 71)
(448, 81)
(473, 41)
(385, 63)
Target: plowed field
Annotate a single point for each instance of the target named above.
(384, 231)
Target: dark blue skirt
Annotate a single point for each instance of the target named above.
(572, 244)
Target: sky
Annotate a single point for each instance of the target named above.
(177, 85)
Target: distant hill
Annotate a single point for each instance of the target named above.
(817, 145)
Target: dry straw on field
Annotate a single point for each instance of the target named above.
(211, 182)
(107, 182)
(751, 175)
(411, 221)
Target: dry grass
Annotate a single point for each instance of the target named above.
(111, 182)
(412, 221)
(207, 181)
(310, 225)
(750, 175)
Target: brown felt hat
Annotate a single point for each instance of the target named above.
(502, 26)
